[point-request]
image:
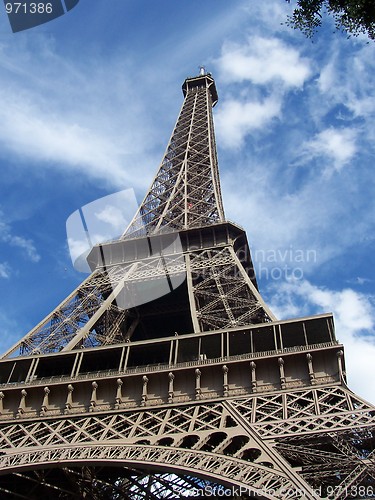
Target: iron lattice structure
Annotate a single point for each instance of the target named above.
(165, 375)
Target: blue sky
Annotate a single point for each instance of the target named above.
(88, 104)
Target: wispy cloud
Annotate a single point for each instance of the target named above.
(258, 73)
(26, 245)
(236, 119)
(359, 281)
(298, 143)
(4, 270)
(306, 183)
(14, 240)
(68, 116)
(338, 146)
(278, 215)
(354, 315)
(346, 79)
(263, 60)
(30, 132)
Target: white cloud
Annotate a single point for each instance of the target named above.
(327, 79)
(4, 270)
(338, 145)
(262, 61)
(268, 15)
(354, 315)
(32, 133)
(68, 118)
(307, 180)
(359, 281)
(236, 119)
(25, 244)
(77, 248)
(346, 80)
(113, 216)
(259, 197)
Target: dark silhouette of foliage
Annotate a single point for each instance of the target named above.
(351, 16)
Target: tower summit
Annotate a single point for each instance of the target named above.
(165, 373)
(185, 192)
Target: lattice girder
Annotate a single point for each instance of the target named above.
(216, 456)
(196, 438)
(220, 295)
(186, 191)
(60, 327)
(224, 295)
(121, 393)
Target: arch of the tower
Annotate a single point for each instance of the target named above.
(126, 469)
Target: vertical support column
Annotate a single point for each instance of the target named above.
(275, 337)
(76, 365)
(2, 395)
(331, 329)
(285, 406)
(225, 381)
(175, 359)
(170, 387)
(305, 333)
(144, 390)
(171, 351)
(120, 365)
(282, 373)
(281, 337)
(11, 372)
(198, 390)
(253, 367)
(127, 352)
(31, 373)
(193, 307)
(118, 399)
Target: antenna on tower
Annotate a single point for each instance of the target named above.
(202, 70)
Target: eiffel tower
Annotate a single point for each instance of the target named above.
(165, 374)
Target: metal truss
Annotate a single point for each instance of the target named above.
(220, 293)
(184, 195)
(283, 427)
(201, 440)
(225, 443)
(224, 296)
(87, 310)
(102, 482)
(185, 192)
